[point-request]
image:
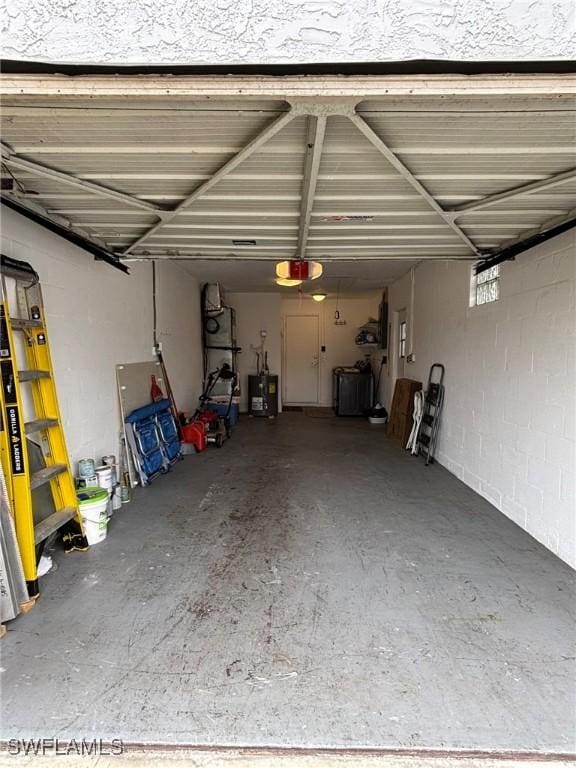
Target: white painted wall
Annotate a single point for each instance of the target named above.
(339, 340)
(508, 428)
(256, 312)
(98, 317)
(179, 331)
(286, 31)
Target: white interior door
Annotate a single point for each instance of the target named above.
(301, 360)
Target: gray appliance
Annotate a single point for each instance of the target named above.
(352, 391)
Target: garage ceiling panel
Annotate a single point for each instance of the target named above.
(475, 132)
(231, 218)
(54, 133)
(90, 166)
(477, 185)
(537, 204)
(527, 163)
(480, 104)
(241, 208)
(363, 205)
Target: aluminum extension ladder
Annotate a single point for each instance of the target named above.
(39, 376)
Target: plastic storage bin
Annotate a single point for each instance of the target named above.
(222, 409)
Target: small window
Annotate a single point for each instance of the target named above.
(485, 287)
(402, 339)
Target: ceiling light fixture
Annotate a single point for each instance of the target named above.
(299, 269)
(286, 283)
(319, 296)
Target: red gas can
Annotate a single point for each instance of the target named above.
(195, 433)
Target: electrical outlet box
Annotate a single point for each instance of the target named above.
(411, 358)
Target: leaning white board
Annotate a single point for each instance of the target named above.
(134, 381)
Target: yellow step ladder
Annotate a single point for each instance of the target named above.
(39, 376)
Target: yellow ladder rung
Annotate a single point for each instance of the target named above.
(32, 374)
(52, 523)
(20, 323)
(37, 425)
(46, 475)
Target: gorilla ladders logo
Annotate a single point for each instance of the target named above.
(15, 436)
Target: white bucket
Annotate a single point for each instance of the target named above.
(106, 478)
(93, 512)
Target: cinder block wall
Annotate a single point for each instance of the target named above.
(98, 317)
(509, 423)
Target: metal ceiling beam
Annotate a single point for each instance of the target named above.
(325, 88)
(405, 172)
(314, 145)
(354, 177)
(241, 252)
(253, 146)
(337, 215)
(13, 160)
(175, 255)
(229, 149)
(239, 106)
(524, 189)
(95, 111)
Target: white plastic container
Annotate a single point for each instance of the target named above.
(106, 479)
(377, 419)
(92, 503)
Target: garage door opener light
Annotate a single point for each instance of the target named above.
(298, 269)
(287, 283)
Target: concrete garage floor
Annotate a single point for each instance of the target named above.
(311, 585)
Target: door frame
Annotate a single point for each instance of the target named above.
(394, 343)
(285, 401)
